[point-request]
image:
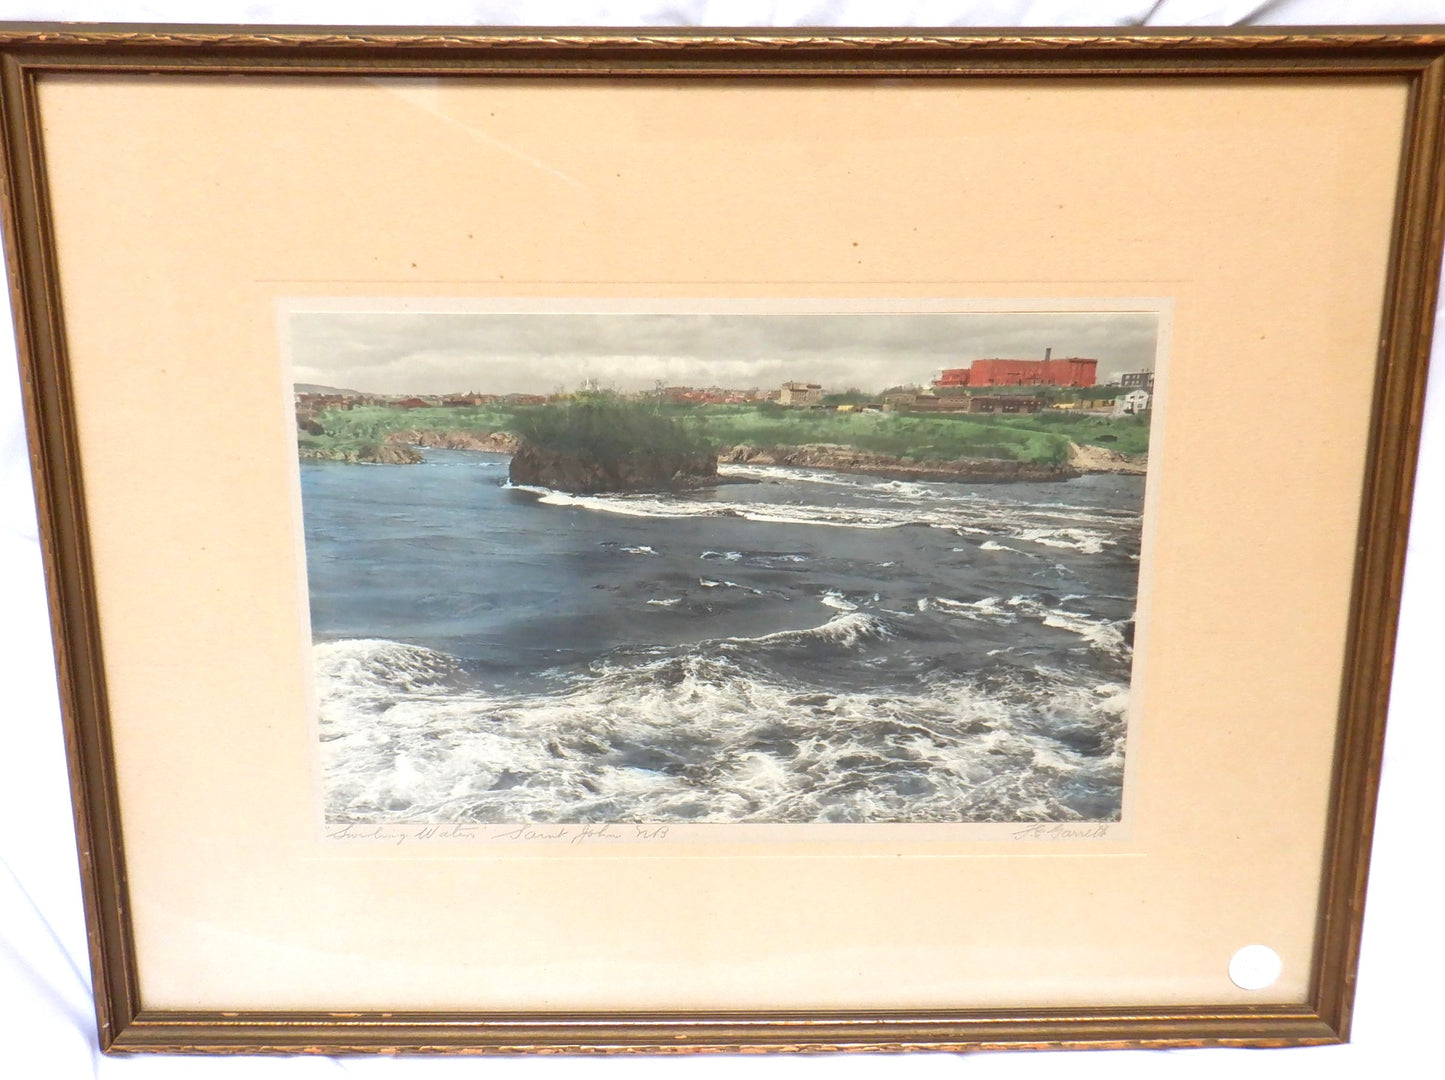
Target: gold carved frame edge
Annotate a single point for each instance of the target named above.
(1408, 320)
(29, 52)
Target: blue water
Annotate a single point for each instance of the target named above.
(794, 645)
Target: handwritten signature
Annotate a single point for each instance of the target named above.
(1043, 831)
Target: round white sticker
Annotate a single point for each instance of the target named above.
(1254, 967)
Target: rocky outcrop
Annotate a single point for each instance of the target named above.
(492, 442)
(1100, 459)
(386, 453)
(578, 474)
(851, 459)
(400, 447)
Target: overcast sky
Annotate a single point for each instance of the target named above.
(501, 353)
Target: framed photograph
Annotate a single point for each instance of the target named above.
(672, 566)
(601, 541)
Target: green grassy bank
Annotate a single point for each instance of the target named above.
(1041, 438)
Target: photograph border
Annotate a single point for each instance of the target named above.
(27, 53)
(1115, 830)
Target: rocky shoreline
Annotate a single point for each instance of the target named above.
(850, 459)
(1100, 459)
(400, 447)
(386, 453)
(652, 473)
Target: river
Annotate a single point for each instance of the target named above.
(791, 646)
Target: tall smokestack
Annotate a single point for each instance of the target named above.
(1048, 352)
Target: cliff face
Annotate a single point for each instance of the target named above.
(495, 442)
(581, 475)
(851, 459)
(1102, 459)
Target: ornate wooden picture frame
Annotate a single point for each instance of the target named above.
(172, 199)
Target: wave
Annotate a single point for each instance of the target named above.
(1088, 541)
(1105, 635)
(698, 733)
(663, 506)
(994, 545)
(709, 583)
(847, 631)
(864, 503)
(767, 560)
(388, 666)
(863, 482)
(989, 609)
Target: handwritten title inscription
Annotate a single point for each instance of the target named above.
(555, 834)
(578, 835)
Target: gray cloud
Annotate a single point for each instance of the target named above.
(431, 353)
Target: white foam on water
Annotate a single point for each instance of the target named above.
(708, 583)
(989, 609)
(1105, 635)
(1087, 541)
(875, 504)
(848, 630)
(994, 545)
(656, 506)
(669, 737)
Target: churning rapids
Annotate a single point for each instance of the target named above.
(792, 646)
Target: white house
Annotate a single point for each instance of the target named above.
(1135, 401)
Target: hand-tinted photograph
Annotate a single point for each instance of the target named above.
(737, 567)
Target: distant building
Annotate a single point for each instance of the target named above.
(1003, 403)
(311, 402)
(801, 395)
(461, 400)
(1069, 371)
(1065, 371)
(525, 399)
(711, 395)
(1135, 401)
(965, 403)
(1086, 404)
(1138, 380)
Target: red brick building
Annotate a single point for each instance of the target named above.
(1065, 371)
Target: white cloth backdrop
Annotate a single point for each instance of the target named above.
(45, 1008)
